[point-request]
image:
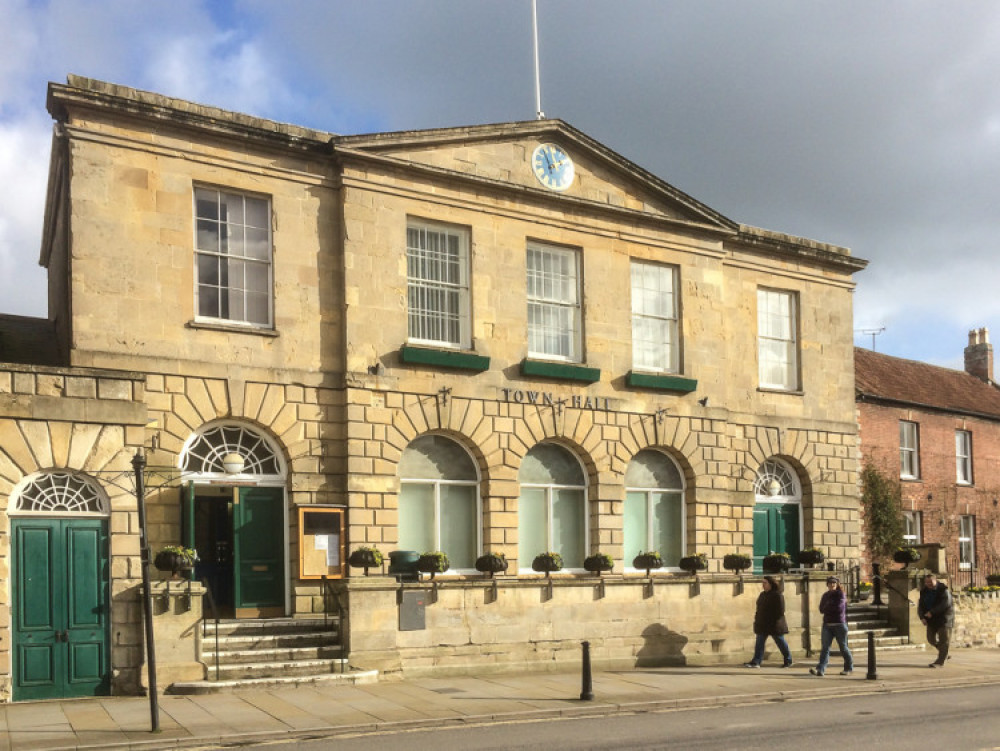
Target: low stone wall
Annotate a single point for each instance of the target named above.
(977, 620)
(534, 625)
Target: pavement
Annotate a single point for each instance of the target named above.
(310, 712)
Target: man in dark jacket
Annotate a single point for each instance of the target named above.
(937, 611)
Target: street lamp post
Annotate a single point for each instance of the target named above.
(139, 466)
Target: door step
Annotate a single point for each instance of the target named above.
(272, 652)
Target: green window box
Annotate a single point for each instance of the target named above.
(443, 358)
(560, 370)
(661, 382)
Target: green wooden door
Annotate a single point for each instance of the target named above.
(60, 635)
(775, 529)
(259, 552)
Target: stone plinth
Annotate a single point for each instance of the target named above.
(177, 610)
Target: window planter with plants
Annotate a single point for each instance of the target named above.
(776, 563)
(906, 555)
(365, 558)
(491, 563)
(176, 559)
(598, 562)
(811, 557)
(546, 563)
(736, 562)
(694, 563)
(648, 560)
(433, 562)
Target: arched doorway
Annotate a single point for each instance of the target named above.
(60, 611)
(235, 516)
(777, 517)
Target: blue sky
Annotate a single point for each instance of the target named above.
(870, 125)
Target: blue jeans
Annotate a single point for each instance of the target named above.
(779, 639)
(833, 631)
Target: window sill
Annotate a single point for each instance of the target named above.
(560, 371)
(661, 382)
(231, 328)
(443, 358)
(906, 478)
(790, 392)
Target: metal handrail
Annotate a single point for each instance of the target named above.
(331, 595)
(204, 623)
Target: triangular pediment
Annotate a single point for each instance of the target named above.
(502, 154)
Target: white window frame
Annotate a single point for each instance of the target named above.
(909, 450)
(233, 259)
(650, 543)
(777, 339)
(655, 309)
(966, 542)
(963, 457)
(554, 292)
(913, 527)
(439, 311)
(436, 484)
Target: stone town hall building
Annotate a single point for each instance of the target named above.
(494, 338)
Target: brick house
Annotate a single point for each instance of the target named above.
(938, 431)
(500, 338)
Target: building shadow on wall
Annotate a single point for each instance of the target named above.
(661, 646)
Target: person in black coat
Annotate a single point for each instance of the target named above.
(769, 620)
(937, 611)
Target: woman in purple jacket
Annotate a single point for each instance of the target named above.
(833, 606)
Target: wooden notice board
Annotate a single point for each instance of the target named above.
(321, 542)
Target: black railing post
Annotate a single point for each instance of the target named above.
(877, 584)
(872, 667)
(587, 693)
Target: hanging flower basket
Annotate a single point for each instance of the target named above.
(736, 562)
(366, 558)
(176, 559)
(546, 563)
(811, 557)
(598, 562)
(906, 556)
(694, 563)
(491, 563)
(649, 560)
(776, 563)
(433, 562)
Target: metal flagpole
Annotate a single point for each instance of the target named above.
(538, 81)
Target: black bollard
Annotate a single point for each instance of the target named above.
(587, 694)
(872, 667)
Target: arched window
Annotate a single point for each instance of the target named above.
(776, 482)
(654, 507)
(206, 451)
(552, 509)
(439, 500)
(59, 492)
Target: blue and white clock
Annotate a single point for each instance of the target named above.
(553, 167)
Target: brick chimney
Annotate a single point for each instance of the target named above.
(979, 355)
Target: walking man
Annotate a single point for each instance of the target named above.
(937, 611)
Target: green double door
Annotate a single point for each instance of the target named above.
(60, 639)
(240, 541)
(775, 529)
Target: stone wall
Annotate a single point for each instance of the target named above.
(536, 625)
(977, 620)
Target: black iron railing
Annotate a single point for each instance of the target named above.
(332, 604)
(204, 622)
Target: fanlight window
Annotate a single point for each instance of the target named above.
(60, 492)
(207, 451)
(775, 480)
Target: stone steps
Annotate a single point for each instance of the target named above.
(262, 653)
